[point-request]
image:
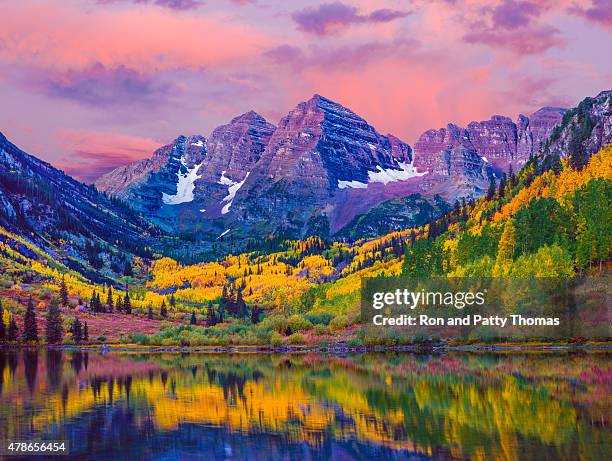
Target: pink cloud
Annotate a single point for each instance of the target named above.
(329, 18)
(147, 40)
(180, 5)
(93, 153)
(598, 11)
(521, 41)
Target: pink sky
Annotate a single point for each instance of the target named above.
(93, 84)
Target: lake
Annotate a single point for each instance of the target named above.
(312, 406)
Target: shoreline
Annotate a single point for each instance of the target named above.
(264, 349)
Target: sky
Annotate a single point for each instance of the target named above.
(90, 85)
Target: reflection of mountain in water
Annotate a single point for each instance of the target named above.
(373, 406)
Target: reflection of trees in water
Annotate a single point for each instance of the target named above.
(232, 382)
(54, 362)
(30, 361)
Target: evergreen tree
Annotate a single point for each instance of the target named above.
(127, 304)
(193, 320)
(13, 331)
(30, 329)
(109, 299)
(163, 312)
(54, 331)
(92, 302)
(85, 332)
(119, 304)
(2, 325)
(76, 330)
(99, 306)
(150, 313)
(172, 301)
(211, 319)
(491, 190)
(63, 292)
(254, 315)
(127, 269)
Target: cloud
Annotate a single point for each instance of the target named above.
(181, 5)
(151, 40)
(523, 41)
(329, 18)
(511, 14)
(599, 11)
(101, 86)
(93, 153)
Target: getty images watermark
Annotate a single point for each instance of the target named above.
(484, 308)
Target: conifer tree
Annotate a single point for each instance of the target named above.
(92, 302)
(172, 301)
(76, 330)
(210, 315)
(491, 190)
(150, 313)
(30, 329)
(54, 331)
(85, 332)
(193, 320)
(2, 325)
(127, 304)
(119, 304)
(254, 315)
(109, 299)
(13, 331)
(163, 312)
(63, 292)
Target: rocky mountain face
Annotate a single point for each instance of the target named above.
(499, 142)
(324, 168)
(51, 209)
(319, 149)
(584, 130)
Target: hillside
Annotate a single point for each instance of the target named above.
(549, 219)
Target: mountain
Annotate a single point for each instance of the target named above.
(324, 168)
(70, 220)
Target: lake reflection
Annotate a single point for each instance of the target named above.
(310, 407)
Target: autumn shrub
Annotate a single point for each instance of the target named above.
(339, 322)
(298, 323)
(296, 338)
(321, 329)
(274, 323)
(277, 340)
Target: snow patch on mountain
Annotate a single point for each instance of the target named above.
(233, 187)
(199, 143)
(351, 185)
(223, 233)
(185, 185)
(406, 171)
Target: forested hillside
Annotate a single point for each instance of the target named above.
(552, 218)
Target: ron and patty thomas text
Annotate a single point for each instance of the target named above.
(413, 299)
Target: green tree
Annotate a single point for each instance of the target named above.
(54, 329)
(85, 332)
(109, 299)
(211, 318)
(30, 328)
(127, 304)
(193, 320)
(76, 330)
(13, 331)
(150, 312)
(163, 312)
(63, 292)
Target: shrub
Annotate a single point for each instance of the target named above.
(296, 338)
(321, 329)
(138, 338)
(299, 323)
(319, 318)
(339, 322)
(276, 339)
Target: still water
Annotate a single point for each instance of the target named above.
(311, 406)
